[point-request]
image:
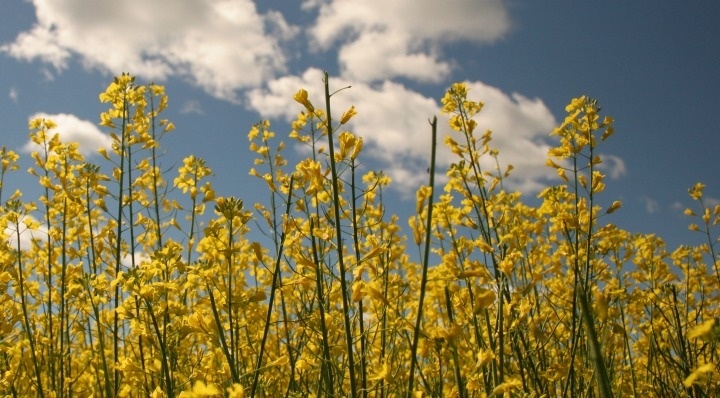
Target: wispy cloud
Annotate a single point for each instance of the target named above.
(651, 205)
(711, 202)
(613, 165)
(192, 107)
(70, 128)
(13, 94)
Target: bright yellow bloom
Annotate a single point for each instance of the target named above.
(704, 330)
(348, 115)
(235, 391)
(302, 97)
(200, 389)
(696, 191)
(699, 374)
(614, 206)
(484, 298)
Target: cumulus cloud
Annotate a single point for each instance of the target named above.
(219, 45)
(73, 129)
(384, 39)
(393, 120)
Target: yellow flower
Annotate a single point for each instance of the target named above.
(484, 298)
(602, 305)
(703, 330)
(510, 385)
(357, 291)
(200, 389)
(235, 391)
(348, 115)
(302, 97)
(614, 206)
(696, 191)
(281, 361)
(699, 374)
(382, 374)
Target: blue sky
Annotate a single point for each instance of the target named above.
(653, 66)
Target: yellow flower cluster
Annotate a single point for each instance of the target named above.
(114, 284)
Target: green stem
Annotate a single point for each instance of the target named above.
(92, 256)
(221, 334)
(601, 372)
(273, 290)
(356, 244)
(118, 248)
(326, 364)
(453, 348)
(426, 259)
(339, 241)
(28, 329)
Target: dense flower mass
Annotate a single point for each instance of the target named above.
(115, 283)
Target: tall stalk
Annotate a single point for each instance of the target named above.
(426, 260)
(356, 245)
(122, 147)
(273, 289)
(90, 171)
(28, 329)
(339, 241)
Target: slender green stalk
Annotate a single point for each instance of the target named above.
(92, 256)
(356, 244)
(453, 347)
(327, 375)
(118, 245)
(229, 293)
(221, 335)
(601, 373)
(426, 260)
(49, 277)
(23, 302)
(276, 241)
(273, 290)
(326, 367)
(64, 327)
(339, 241)
(170, 383)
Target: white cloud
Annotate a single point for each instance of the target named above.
(393, 120)
(73, 129)
(382, 39)
(651, 205)
(379, 55)
(192, 107)
(613, 165)
(711, 202)
(13, 94)
(219, 45)
(678, 206)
